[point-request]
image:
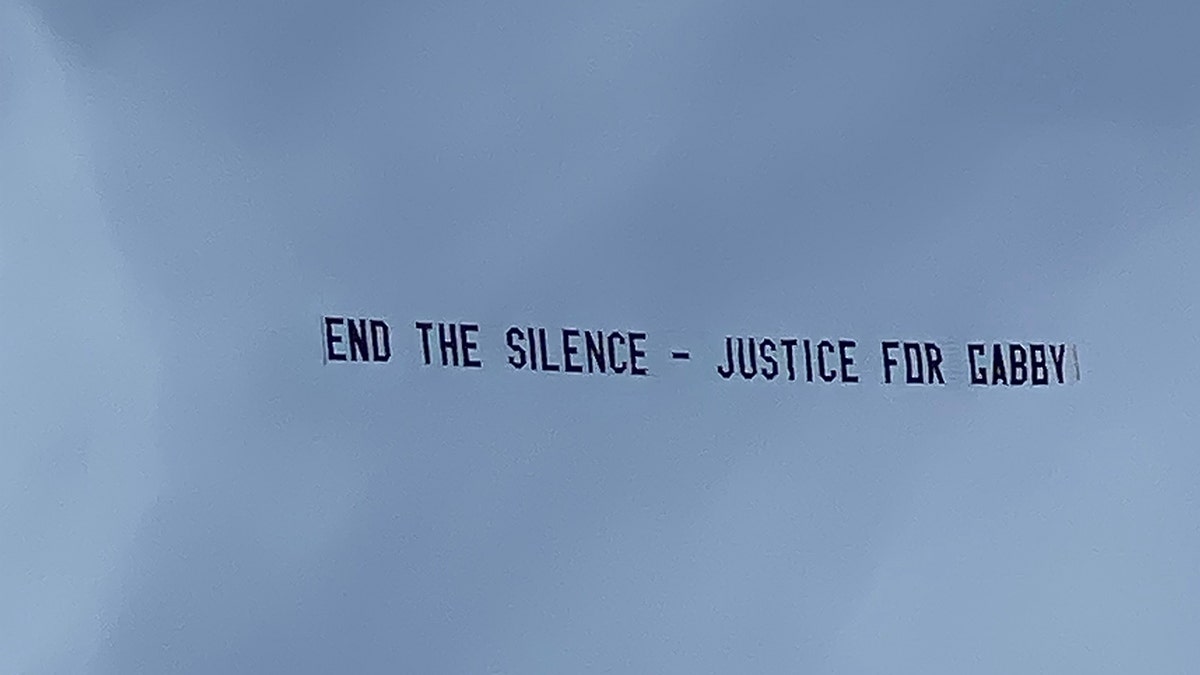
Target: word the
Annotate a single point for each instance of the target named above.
(454, 343)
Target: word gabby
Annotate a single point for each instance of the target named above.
(631, 353)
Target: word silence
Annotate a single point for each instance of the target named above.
(633, 353)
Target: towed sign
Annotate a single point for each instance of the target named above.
(633, 353)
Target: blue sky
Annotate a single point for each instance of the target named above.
(186, 188)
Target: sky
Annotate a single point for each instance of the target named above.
(186, 189)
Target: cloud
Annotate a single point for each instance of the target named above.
(230, 173)
(78, 373)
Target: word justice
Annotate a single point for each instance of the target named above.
(768, 358)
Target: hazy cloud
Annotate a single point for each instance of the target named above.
(196, 492)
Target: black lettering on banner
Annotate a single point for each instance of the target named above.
(1057, 358)
(827, 375)
(595, 351)
(514, 336)
(547, 364)
(789, 344)
(448, 343)
(999, 374)
(612, 352)
(464, 330)
(380, 337)
(933, 358)
(358, 340)
(1018, 370)
(742, 358)
(766, 351)
(847, 360)
(1039, 375)
(533, 362)
(914, 364)
(425, 327)
(727, 371)
(978, 372)
(635, 353)
(888, 360)
(569, 350)
(760, 357)
(808, 364)
(582, 351)
(1012, 364)
(367, 339)
(332, 339)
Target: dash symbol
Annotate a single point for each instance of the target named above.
(681, 355)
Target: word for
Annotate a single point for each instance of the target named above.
(628, 353)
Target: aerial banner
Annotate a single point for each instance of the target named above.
(736, 356)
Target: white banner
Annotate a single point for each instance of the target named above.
(798, 358)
